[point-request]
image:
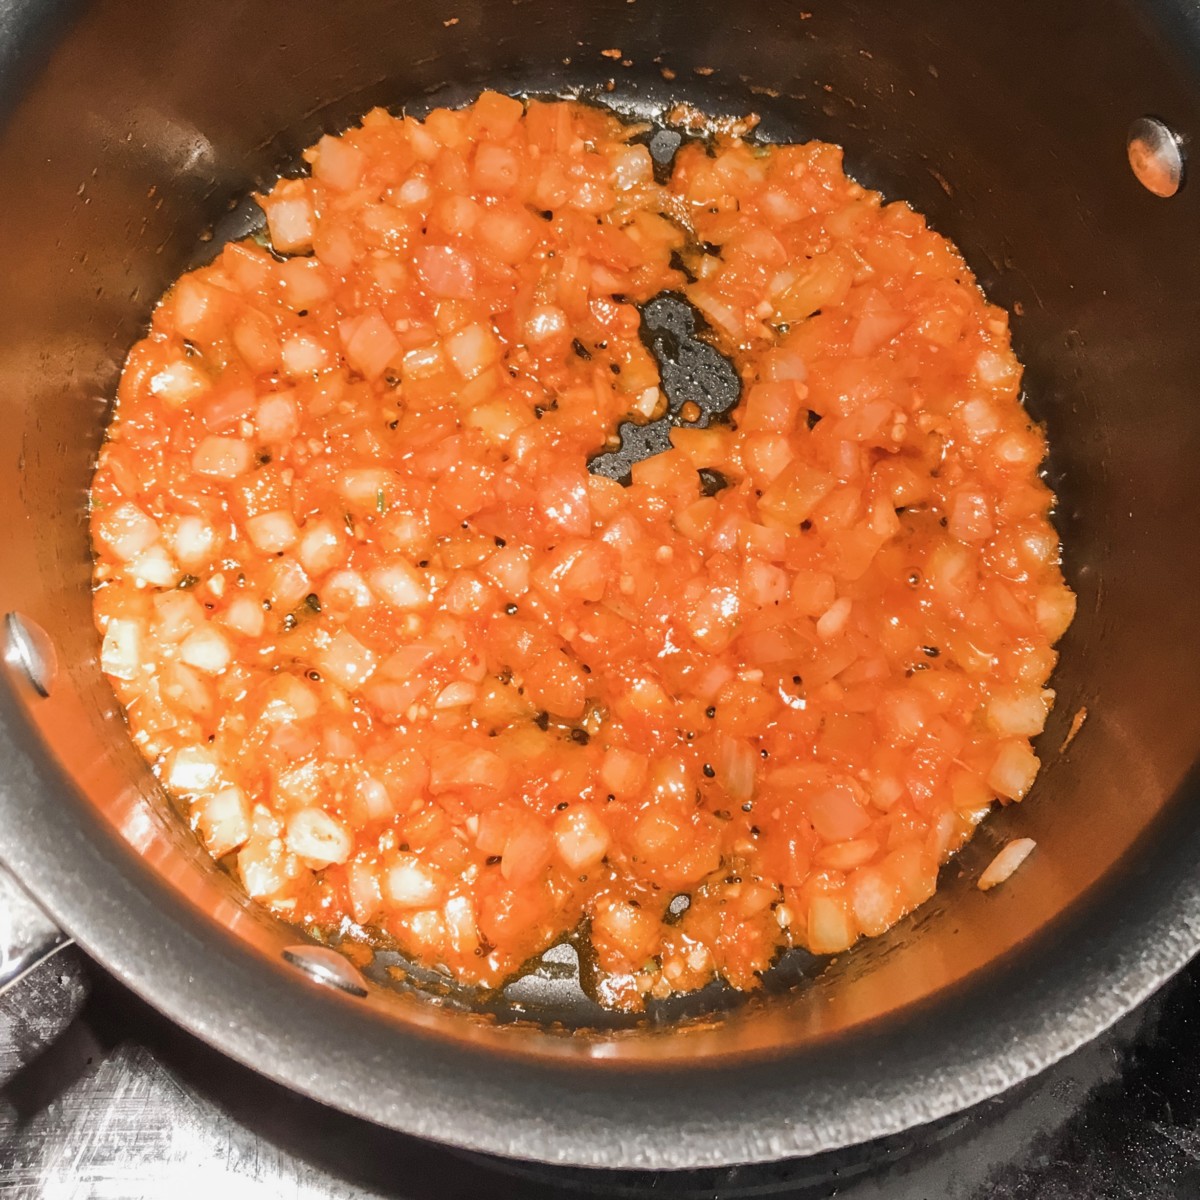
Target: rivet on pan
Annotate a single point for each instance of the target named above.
(326, 966)
(1155, 156)
(29, 650)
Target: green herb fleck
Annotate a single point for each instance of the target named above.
(380, 501)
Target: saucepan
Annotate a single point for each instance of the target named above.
(132, 133)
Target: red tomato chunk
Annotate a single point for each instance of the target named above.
(429, 683)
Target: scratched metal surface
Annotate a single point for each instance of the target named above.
(123, 1106)
(33, 1014)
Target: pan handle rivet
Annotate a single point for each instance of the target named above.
(1155, 156)
(327, 967)
(29, 651)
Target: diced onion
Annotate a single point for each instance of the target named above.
(206, 650)
(273, 532)
(179, 383)
(127, 531)
(121, 650)
(222, 457)
(581, 837)
(409, 884)
(153, 568)
(1006, 862)
(223, 820)
(434, 681)
(291, 223)
(347, 660)
(399, 585)
(1014, 770)
(314, 836)
(193, 769)
(829, 928)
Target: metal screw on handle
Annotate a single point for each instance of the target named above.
(1156, 156)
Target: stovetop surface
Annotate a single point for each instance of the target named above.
(124, 1105)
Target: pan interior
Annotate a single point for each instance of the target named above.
(967, 113)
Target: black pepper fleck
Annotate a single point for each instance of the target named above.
(712, 481)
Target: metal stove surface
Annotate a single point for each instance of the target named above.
(123, 1106)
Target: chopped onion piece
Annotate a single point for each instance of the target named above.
(410, 884)
(121, 650)
(223, 820)
(127, 531)
(179, 384)
(400, 585)
(317, 839)
(1006, 862)
(193, 769)
(347, 661)
(581, 837)
(273, 532)
(206, 650)
(153, 568)
(222, 457)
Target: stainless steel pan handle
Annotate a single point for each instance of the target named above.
(27, 936)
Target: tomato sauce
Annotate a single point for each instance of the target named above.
(422, 680)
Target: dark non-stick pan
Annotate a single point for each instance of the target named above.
(131, 132)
